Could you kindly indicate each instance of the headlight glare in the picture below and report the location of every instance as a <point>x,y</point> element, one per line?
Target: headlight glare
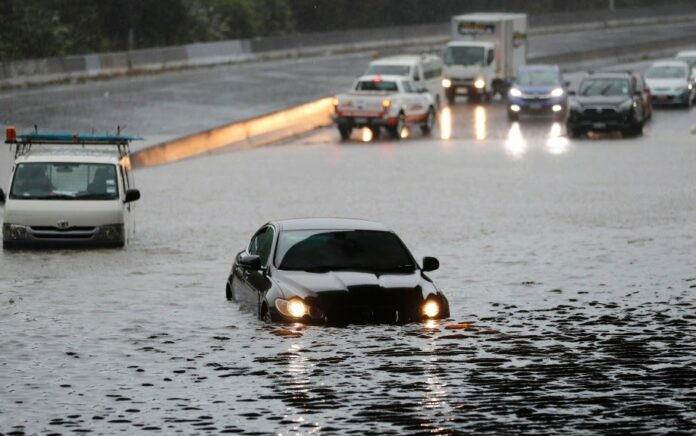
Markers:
<point>293,308</point>
<point>515,92</point>
<point>446,83</point>
<point>480,84</point>
<point>431,308</point>
<point>557,92</point>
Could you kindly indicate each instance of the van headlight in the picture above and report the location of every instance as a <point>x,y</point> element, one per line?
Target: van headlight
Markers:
<point>480,84</point>
<point>111,232</point>
<point>14,232</point>
<point>446,83</point>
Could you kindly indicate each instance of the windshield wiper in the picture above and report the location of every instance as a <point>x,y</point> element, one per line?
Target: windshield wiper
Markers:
<point>93,196</point>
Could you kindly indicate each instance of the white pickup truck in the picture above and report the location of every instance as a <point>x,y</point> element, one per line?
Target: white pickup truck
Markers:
<point>392,102</point>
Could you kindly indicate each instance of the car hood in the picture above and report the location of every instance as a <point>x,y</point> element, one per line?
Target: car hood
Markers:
<point>665,83</point>
<point>354,287</point>
<point>601,101</point>
<point>535,90</point>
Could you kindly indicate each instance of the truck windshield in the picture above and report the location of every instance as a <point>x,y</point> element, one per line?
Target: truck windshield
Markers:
<point>394,70</point>
<point>603,87</point>
<point>455,55</point>
<point>332,250</point>
<point>376,85</point>
<point>64,181</point>
<point>538,78</point>
<point>666,72</point>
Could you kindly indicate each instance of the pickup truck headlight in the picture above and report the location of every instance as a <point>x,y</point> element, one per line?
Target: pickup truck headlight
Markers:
<point>515,92</point>
<point>14,232</point>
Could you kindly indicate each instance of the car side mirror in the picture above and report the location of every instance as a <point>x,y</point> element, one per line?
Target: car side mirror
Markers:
<point>430,264</point>
<point>132,195</point>
<point>2,196</point>
<point>566,83</point>
<point>251,261</point>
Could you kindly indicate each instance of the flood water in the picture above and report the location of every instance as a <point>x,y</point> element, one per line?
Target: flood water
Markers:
<point>570,267</point>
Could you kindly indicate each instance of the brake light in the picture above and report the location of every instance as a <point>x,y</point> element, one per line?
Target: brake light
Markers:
<point>11,134</point>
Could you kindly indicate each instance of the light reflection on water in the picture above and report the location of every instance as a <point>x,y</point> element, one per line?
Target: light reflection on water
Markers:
<point>556,143</point>
<point>445,121</point>
<point>480,123</point>
<point>515,143</point>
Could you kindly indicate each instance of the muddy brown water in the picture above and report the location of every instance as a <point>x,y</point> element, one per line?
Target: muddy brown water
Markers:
<point>569,266</point>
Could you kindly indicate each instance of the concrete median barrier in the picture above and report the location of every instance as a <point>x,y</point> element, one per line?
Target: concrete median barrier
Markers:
<point>248,133</point>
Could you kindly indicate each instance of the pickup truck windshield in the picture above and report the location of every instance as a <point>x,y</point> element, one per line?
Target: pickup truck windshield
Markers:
<point>603,87</point>
<point>666,72</point>
<point>333,250</point>
<point>376,85</point>
<point>538,78</point>
<point>464,56</point>
<point>395,70</point>
<point>64,181</point>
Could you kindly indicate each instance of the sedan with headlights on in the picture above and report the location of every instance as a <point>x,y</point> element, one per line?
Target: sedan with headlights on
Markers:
<point>538,90</point>
<point>333,271</point>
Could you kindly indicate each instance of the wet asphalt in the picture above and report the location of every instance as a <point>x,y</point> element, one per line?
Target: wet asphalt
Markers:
<point>569,266</point>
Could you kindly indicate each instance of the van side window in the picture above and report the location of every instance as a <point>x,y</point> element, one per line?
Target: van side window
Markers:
<point>416,74</point>
<point>491,56</point>
<point>407,86</point>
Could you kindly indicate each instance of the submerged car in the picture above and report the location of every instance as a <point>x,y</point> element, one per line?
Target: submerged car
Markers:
<point>538,90</point>
<point>605,102</point>
<point>333,271</point>
<point>672,83</point>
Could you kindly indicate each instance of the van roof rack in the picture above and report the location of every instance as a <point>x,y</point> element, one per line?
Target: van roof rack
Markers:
<point>24,142</point>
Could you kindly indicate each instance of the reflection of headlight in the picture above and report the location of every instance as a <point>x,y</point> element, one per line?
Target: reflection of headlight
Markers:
<point>446,83</point>
<point>111,232</point>
<point>626,105</point>
<point>480,83</point>
<point>431,309</point>
<point>294,308</point>
<point>14,232</point>
<point>557,92</point>
<point>515,92</point>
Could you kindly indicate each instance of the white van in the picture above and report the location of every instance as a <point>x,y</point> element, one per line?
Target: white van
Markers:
<point>424,70</point>
<point>69,190</point>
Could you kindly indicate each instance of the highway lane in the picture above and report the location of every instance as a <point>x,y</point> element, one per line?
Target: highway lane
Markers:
<point>571,262</point>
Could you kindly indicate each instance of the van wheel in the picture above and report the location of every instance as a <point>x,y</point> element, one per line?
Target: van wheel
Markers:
<point>427,127</point>
<point>344,131</point>
<point>395,131</point>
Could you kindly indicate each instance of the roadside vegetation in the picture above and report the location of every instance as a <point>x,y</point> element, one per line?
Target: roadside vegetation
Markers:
<point>44,28</point>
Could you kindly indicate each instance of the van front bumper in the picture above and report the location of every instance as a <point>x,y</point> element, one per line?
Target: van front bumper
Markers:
<point>21,236</point>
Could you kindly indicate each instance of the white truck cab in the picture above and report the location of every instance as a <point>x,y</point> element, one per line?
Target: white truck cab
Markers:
<point>69,190</point>
<point>484,55</point>
<point>424,70</point>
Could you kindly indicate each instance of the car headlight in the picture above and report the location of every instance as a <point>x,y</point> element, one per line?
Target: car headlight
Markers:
<point>431,308</point>
<point>446,83</point>
<point>574,106</point>
<point>293,308</point>
<point>14,232</point>
<point>558,92</point>
<point>480,84</point>
<point>515,92</point>
<point>111,232</point>
<point>627,105</point>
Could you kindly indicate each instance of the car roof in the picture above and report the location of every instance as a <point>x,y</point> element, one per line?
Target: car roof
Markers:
<point>540,67</point>
<point>671,63</point>
<point>69,156</point>
<point>404,59</point>
<point>468,43</point>
<point>610,74</point>
<point>329,224</point>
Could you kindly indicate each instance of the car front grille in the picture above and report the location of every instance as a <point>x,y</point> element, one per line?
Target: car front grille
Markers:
<point>600,114</point>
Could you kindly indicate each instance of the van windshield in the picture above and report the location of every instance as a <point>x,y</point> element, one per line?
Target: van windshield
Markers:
<point>64,181</point>
<point>389,70</point>
<point>455,55</point>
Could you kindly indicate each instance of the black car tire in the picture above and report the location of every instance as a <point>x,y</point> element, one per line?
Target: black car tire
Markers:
<point>427,127</point>
<point>395,131</point>
<point>345,132</point>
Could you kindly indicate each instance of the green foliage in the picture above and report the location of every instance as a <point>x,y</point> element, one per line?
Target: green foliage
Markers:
<point>44,28</point>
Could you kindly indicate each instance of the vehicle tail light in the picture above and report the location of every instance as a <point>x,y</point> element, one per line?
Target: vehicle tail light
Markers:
<point>11,134</point>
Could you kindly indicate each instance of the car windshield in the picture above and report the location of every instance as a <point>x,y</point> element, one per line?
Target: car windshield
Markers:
<point>393,70</point>
<point>666,72</point>
<point>538,78</point>
<point>376,85</point>
<point>689,60</point>
<point>64,181</point>
<point>330,250</point>
<point>464,56</point>
<point>603,87</point>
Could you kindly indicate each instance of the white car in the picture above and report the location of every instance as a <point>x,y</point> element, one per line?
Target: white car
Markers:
<point>424,70</point>
<point>392,102</point>
<point>688,56</point>
<point>671,83</point>
<point>69,190</point>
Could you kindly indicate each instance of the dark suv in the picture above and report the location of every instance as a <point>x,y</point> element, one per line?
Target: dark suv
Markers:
<point>607,101</point>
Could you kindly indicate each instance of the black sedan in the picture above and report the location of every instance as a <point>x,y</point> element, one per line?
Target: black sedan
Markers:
<point>333,271</point>
<point>607,101</point>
